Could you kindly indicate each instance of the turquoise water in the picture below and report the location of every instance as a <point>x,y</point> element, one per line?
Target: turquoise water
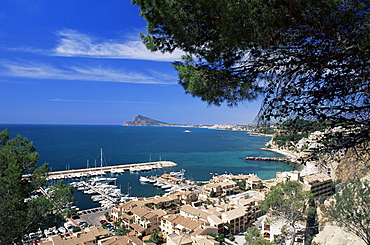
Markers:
<point>201,152</point>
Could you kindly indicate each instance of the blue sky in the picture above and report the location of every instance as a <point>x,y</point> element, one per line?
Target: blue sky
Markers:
<point>82,62</point>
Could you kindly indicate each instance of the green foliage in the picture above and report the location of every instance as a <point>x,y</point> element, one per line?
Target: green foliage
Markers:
<point>260,186</point>
<point>222,236</point>
<point>230,237</point>
<point>308,58</point>
<point>212,193</point>
<point>288,139</point>
<point>21,214</point>
<point>293,130</point>
<point>241,184</point>
<point>156,237</point>
<point>253,236</point>
<point>199,183</point>
<point>265,130</point>
<point>303,126</point>
<point>107,216</point>
<point>208,202</point>
<point>350,209</point>
<point>118,223</point>
<point>122,231</point>
<point>287,202</point>
<point>219,238</point>
<point>61,198</point>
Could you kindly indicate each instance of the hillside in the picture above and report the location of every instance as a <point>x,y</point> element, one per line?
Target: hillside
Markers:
<point>140,120</point>
<point>307,139</point>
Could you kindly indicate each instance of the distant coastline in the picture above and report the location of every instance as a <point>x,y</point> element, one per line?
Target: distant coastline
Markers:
<point>142,121</point>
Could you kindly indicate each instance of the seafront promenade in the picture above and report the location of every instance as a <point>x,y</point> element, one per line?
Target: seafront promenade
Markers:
<point>91,171</point>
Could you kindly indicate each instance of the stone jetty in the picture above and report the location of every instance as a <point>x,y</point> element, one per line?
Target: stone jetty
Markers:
<point>278,159</point>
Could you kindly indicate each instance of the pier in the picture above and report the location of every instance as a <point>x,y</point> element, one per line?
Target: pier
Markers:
<point>99,191</point>
<point>88,171</point>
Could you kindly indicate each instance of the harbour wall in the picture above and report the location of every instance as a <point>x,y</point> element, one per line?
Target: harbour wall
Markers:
<point>279,159</point>
<point>159,164</point>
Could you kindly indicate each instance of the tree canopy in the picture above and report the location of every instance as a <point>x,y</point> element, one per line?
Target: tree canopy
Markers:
<point>350,209</point>
<point>156,237</point>
<point>306,58</point>
<point>22,210</point>
<point>253,236</point>
<point>287,202</point>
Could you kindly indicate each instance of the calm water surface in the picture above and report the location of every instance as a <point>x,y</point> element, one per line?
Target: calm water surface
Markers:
<point>201,152</point>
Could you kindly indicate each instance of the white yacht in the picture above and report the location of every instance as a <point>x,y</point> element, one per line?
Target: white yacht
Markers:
<point>144,179</point>
<point>117,171</point>
<point>135,169</point>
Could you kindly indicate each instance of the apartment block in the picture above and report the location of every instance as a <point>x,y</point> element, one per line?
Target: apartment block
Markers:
<point>319,184</point>
<point>178,224</point>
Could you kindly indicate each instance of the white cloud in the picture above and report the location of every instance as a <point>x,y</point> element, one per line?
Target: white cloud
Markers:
<point>99,101</point>
<point>86,73</point>
<point>74,43</point>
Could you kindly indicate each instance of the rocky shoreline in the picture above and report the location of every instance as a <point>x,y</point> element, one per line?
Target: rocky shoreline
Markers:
<point>307,168</point>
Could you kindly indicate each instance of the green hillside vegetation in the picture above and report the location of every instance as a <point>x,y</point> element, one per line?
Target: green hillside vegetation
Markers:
<point>291,131</point>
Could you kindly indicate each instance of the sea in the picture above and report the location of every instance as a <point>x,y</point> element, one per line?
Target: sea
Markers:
<point>201,152</point>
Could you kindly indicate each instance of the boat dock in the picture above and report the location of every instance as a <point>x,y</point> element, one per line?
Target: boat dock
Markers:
<point>99,191</point>
<point>73,173</point>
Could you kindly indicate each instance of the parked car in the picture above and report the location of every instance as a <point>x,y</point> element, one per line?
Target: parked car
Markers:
<point>33,236</point>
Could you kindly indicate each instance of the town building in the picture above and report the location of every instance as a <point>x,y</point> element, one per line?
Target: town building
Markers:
<point>271,230</point>
<point>175,239</point>
<point>120,240</point>
<point>178,224</point>
<point>145,220</point>
<point>90,235</point>
<point>252,181</point>
<point>219,189</point>
<point>186,197</point>
<point>163,202</point>
<point>318,183</point>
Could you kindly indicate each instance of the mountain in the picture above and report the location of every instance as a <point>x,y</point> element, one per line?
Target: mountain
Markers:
<point>140,120</point>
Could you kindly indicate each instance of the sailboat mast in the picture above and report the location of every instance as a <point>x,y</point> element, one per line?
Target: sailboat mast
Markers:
<point>101,161</point>
<point>101,158</point>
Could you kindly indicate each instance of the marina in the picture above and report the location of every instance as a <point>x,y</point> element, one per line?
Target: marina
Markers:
<point>105,192</point>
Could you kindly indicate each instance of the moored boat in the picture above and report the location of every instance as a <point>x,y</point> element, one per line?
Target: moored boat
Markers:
<point>134,169</point>
<point>144,179</point>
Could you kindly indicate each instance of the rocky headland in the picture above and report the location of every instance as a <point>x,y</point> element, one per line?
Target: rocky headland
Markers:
<point>140,120</point>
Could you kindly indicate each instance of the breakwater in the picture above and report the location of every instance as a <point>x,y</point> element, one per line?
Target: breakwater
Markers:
<point>73,173</point>
<point>278,159</point>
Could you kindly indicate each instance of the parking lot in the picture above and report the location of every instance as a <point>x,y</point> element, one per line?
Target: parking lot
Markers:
<point>92,216</point>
